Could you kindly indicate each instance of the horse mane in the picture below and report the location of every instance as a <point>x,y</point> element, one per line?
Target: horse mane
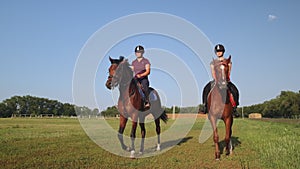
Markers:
<point>127,74</point>
<point>125,67</point>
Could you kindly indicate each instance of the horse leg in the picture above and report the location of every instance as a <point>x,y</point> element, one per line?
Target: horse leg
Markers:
<point>122,126</point>
<point>213,122</point>
<point>132,136</point>
<point>157,124</point>
<point>143,133</point>
<point>228,125</point>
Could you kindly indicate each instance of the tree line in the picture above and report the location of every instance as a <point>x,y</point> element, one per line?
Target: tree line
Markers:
<point>35,106</point>
<point>113,111</point>
<point>285,105</point>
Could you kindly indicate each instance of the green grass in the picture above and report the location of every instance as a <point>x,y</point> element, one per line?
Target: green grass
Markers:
<point>62,143</point>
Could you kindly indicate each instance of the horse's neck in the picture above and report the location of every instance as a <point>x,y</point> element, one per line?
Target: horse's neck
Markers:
<point>217,90</point>
<point>123,88</point>
<point>126,88</point>
<point>220,94</point>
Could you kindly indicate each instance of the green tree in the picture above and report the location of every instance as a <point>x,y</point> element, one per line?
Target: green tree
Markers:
<point>95,112</point>
<point>3,111</point>
<point>110,112</point>
<point>68,110</point>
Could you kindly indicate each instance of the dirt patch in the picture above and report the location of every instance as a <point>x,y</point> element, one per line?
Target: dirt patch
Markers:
<point>188,115</point>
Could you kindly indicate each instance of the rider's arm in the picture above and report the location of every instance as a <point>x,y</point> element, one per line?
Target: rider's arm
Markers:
<point>146,73</point>
<point>213,71</point>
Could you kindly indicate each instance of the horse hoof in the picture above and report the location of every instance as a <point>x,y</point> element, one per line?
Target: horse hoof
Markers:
<point>217,156</point>
<point>217,159</point>
<point>141,153</point>
<point>158,148</point>
<point>132,154</point>
<point>125,148</point>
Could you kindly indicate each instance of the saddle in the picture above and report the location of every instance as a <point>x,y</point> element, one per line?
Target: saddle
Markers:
<point>227,95</point>
<point>152,95</point>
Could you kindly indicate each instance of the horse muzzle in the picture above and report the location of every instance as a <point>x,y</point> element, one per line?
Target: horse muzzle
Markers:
<point>108,84</point>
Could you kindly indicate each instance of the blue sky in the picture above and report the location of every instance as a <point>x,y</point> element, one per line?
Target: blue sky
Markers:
<point>41,40</point>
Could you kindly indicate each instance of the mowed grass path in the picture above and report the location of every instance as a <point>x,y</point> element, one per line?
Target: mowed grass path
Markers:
<point>62,143</point>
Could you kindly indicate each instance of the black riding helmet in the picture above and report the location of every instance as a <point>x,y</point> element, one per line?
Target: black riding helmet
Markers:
<point>139,49</point>
<point>219,48</point>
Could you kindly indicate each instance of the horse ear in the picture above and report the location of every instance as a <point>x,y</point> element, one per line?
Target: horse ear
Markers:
<point>111,60</point>
<point>229,59</point>
<point>121,58</point>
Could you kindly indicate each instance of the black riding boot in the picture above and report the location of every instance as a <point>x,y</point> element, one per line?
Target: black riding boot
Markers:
<point>205,93</point>
<point>147,101</point>
<point>235,93</point>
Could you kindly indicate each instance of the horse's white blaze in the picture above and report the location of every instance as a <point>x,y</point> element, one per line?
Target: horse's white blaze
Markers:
<point>158,147</point>
<point>223,71</point>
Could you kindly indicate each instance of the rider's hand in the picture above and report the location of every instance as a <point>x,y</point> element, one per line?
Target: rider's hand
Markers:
<point>138,76</point>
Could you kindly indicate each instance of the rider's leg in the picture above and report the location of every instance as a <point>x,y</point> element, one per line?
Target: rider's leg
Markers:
<point>233,89</point>
<point>205,93</point>
<point>235,94</point>
<point>145,84</point>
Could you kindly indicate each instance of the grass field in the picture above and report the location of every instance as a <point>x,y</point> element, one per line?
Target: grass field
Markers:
<point>62,143</point>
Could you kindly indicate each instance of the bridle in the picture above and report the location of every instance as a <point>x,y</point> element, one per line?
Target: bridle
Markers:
<point>119,79</point>
<point>221,66</point>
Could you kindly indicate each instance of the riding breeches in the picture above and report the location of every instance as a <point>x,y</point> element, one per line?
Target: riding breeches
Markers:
<point>145,84</point>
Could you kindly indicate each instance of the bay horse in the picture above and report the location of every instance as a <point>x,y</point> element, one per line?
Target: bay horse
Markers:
<point>219,105</point>
<point>130,103</point>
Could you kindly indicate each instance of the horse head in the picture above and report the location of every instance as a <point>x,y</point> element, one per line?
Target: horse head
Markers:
<point>222,70</point>
<point>119,71</point>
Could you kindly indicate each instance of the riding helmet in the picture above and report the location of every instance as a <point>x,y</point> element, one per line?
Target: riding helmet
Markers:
<point>219,48</point>
<point>139,48</point>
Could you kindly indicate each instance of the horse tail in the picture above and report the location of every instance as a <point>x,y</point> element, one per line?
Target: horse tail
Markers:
<point>164,116</point>
<point>157,106</point>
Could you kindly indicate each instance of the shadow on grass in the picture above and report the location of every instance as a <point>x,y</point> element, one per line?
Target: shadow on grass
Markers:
<point>172,143</point>
<point>169,144</point>
<point>234,140</point>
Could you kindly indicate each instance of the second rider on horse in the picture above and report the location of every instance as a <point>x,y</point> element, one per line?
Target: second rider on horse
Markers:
<point>234,93</point>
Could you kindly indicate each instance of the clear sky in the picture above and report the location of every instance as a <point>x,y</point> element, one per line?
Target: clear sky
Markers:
<point>41,40</point>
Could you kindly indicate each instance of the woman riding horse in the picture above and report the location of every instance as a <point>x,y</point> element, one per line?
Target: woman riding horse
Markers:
<point>141,68</point>
<point>130,103</point>
<point>234,93</point>
<point>219,104</point>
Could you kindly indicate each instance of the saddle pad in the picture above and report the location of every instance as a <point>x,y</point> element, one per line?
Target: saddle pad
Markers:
<point>152,95</point>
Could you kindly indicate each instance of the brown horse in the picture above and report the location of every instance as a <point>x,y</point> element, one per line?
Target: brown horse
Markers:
<point>130,103</point>
<point>219,105</point>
